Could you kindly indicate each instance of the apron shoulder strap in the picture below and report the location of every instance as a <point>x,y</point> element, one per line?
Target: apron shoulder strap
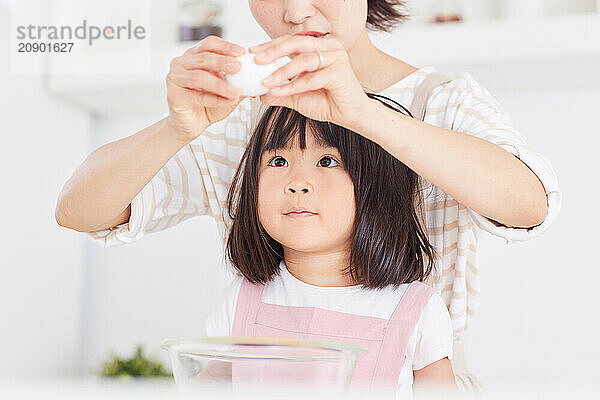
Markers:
<point>423,92</point>
<point>248,301</point>
<point>399,330</point>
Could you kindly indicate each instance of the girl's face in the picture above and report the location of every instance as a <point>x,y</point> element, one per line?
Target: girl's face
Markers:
<point>344,19</point>
<point>313,179</point>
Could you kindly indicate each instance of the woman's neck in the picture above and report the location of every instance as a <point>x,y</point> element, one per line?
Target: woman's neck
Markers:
<point>319,269</point>
<point>376,70</point>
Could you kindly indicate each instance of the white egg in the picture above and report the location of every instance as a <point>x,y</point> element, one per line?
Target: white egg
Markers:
<point>250,75</point>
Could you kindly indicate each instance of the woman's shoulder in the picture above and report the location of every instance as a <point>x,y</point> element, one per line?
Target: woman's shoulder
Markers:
<point>456,102</point>
<point>461,80</point>
<point>447,81</point>
<point>438,92</point>
<point>457,89</point>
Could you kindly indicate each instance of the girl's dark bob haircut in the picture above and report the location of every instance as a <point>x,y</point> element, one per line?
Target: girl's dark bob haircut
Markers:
<point>385,15</point>
<point>390,244</point>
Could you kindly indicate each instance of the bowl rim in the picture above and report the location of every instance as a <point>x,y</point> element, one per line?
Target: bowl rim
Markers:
<point>264,340</point>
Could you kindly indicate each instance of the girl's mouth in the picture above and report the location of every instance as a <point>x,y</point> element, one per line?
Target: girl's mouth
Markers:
<point>302,214</point>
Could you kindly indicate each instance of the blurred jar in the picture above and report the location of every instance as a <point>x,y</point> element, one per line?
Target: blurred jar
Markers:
<point>199,19</point>
<point>446,11</point>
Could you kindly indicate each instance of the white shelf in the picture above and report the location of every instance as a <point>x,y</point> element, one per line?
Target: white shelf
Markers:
<point>483,42</point>
<point>550,45</point>
<point>119,94</point>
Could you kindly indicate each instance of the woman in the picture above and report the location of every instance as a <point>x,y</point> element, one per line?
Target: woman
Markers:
<point>479,169</point>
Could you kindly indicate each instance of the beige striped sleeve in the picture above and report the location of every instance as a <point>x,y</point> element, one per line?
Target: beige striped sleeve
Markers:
<point>456,276</point>
<point>477,113</point>
<point>218,152</point>
<point>174,194</point>
<point>195,181</point>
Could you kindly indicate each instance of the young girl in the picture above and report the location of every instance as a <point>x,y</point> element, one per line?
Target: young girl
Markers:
<point>329,245</point>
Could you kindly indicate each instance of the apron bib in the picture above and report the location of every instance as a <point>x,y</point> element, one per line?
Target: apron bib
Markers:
<point>387,340</point>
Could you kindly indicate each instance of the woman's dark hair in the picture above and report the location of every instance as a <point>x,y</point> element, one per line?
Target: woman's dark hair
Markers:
<point>390,243</point>
<point>385,15</point>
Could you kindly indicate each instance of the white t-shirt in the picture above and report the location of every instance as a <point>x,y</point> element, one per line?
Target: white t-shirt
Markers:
<point>430,341</point>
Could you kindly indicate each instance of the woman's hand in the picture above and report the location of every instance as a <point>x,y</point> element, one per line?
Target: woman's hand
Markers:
<point>330,93</point>
<point>197,91</point>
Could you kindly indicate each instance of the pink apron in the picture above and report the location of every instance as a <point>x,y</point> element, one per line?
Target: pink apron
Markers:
<point>387,340</point>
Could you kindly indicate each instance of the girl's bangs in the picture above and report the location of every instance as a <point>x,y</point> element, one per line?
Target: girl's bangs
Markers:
<point>284,124</point>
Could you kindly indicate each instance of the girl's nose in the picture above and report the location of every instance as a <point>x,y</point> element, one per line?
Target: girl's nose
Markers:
<point>294,187</point>
<point>304,190</point>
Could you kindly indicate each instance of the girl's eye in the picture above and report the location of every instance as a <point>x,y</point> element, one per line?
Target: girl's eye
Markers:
<point>328,161</point>
<point>278,159</point>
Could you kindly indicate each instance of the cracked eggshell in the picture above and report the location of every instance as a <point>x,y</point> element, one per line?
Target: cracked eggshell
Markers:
<point>250,75</point>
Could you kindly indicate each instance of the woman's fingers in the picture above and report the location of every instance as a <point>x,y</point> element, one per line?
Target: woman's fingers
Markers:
<point>201,99</point>
<point>197,92</point>
<point>211,61</point>
<point>307,62</point>
<point>288,44</point>
<point>262,46</point>
<point>204,81</point>
<point>215,44</point>
<point>203,72</point>
<point>201,68</point>
<point>309,79</point>
<point>210,100</point>
<point>304,83</point>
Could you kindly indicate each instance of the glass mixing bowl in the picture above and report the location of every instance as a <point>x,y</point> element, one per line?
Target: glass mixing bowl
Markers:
<point>258,364</point>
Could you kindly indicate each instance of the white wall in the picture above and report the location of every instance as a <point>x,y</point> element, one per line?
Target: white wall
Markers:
<point>162,286</point>
<point>42,142</point>
<point>540,315</point>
